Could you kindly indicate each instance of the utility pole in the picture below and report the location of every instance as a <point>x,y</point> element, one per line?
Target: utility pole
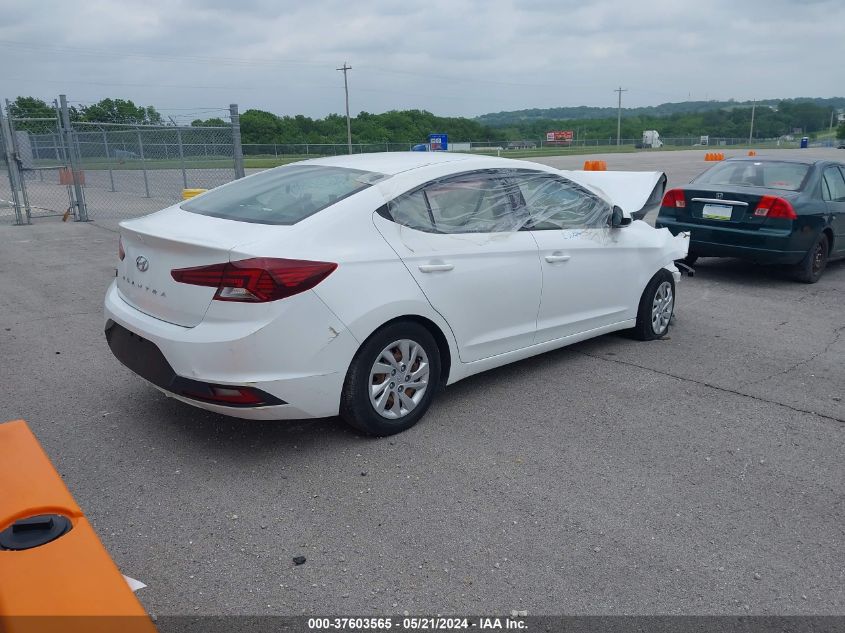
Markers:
<point>345,68</point>
<point>620,90</point>
<point>751,132</point>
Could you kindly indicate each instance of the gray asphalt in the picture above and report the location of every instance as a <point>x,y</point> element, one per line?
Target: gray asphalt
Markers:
<point>700,474</point>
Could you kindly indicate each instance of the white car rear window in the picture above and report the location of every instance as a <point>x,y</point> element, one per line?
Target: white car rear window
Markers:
<point>284,195</point>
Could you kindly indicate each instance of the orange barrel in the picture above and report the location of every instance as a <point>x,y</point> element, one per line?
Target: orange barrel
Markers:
<point>55,573</point>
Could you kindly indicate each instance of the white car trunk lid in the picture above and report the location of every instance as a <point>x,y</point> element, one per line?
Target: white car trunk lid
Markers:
<point>157,244</point>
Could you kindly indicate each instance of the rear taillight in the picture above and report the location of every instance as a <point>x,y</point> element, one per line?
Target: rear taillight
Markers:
<point>120,252</point>
<point>256,280</point>
<point>774,207</point>
<point>674,198</point>
<point>237,396</point>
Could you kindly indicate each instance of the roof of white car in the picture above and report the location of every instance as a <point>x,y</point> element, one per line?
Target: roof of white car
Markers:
<point>391,163</point>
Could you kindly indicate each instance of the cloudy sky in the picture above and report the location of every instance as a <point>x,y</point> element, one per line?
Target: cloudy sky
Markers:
<point>452,57</point>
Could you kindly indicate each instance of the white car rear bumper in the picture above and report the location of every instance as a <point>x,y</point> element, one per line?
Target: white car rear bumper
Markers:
<point>303,365</point>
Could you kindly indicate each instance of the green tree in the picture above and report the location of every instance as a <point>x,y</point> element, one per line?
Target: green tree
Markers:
<point>30,107</point>
<point>212,122</point>
<point>119,111</point>
<point>258,126</point>
<point>840,131</point>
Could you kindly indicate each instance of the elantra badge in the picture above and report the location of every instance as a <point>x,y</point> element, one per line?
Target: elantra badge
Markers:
<point>142,263</point>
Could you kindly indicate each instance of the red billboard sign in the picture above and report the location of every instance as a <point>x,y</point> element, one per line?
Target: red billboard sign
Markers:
<point>559,135</point>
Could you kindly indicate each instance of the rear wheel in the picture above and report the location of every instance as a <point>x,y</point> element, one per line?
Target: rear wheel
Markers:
<point>657,305</point>
<point>812,266</point>
<point>392,379</point>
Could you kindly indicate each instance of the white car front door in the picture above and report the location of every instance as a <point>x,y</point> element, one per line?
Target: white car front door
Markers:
<point>593,275</point>
<point>459,239</point>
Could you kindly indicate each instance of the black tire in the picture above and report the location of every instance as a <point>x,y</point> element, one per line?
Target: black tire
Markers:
<point>812,266</point>
<point>646,329</point>
<point>356,407</point>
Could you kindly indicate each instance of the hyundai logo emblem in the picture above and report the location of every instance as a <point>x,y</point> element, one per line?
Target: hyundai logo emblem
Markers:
<point>142,263</point>
<point>720,195</point>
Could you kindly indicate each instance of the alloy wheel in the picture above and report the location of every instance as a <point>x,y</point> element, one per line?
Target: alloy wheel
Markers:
<point>662,307</point>
<point>399,379</point>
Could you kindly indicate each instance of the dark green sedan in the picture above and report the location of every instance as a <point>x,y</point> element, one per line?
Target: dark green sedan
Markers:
<point>770,211</point>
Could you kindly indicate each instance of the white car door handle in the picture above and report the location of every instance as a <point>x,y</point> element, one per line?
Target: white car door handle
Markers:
<point>553,259</point>
<point>436,268</point>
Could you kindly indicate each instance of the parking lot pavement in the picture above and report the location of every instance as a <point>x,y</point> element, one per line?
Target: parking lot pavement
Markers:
<point>683,165</point>
<point>698,474</point>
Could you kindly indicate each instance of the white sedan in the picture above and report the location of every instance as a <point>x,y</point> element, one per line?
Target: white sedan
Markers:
<point>360,285</point>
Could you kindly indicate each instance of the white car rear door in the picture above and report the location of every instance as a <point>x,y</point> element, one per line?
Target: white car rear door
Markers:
<point>459,239</point>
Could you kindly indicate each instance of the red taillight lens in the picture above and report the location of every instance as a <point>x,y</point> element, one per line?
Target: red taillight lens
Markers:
<point>674,198</point>
<point>120,252</point>
<point>774,207</point>
<point>257,280</point>
<point>244,396</point>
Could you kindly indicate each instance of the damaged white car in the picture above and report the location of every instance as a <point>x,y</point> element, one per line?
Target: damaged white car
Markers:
<point>360,285</point>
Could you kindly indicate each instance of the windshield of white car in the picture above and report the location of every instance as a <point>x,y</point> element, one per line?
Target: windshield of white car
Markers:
<point>746,173</point>
<point>282,196</point>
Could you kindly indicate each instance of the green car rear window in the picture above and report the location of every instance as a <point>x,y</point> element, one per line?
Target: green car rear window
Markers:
<point>746,173</point>
<point>284,195</point>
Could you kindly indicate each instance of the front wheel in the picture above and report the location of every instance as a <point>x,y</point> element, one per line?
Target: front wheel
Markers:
<point>392,379</point>
<point>657,305</point>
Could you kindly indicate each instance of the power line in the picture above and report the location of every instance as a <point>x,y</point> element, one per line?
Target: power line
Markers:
<point>237,61</point>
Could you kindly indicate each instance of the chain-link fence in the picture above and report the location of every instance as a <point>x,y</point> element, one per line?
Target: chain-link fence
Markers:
<point>44,185</point>
<point>130,170</point>
<point>257,152</point>
<point>52,166</point>
<point>7,204</point>
<point>110,171</point>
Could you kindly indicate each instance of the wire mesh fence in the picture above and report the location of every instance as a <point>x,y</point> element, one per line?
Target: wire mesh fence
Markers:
<point>149,166</point>
<point>256,152</point>
<point>58,167</point>
<point>7,205</point>
<point>106,170</point>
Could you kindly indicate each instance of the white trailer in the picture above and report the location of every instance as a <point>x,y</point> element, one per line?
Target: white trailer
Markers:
<point>651,138</point>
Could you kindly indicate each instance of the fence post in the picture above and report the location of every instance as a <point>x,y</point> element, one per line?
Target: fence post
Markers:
<point>108,156</point>
<point>182,157</point>
<point>11,165</point>
<point>143,163</point>
<point>19,165</point>
<point>73,159</point>
<point>237,148</point>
